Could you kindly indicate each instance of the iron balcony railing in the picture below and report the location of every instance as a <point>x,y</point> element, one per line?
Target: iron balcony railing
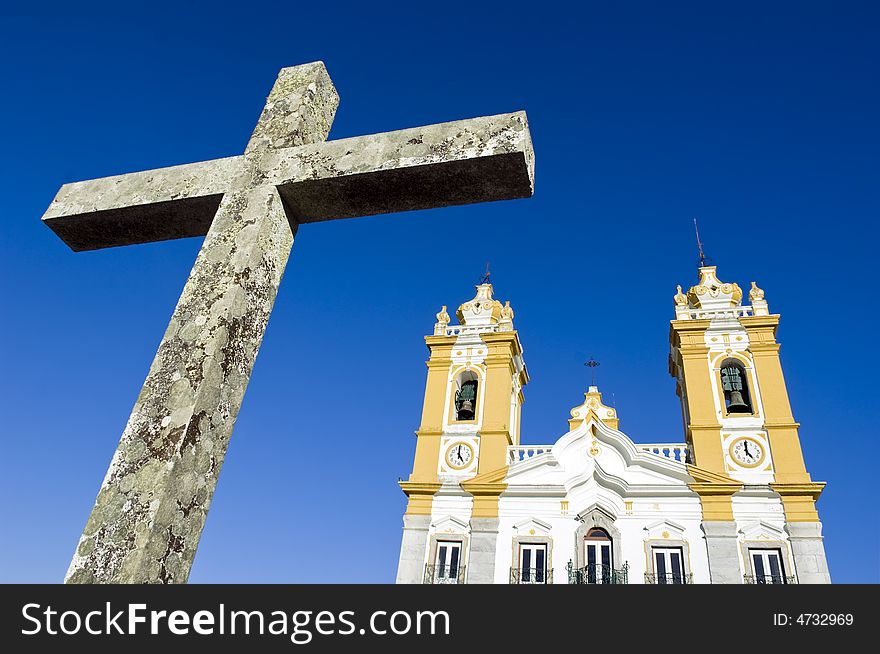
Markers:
<point>596,573</point>
<point>769,579</point>
<point>672,578</point>
<point>531,576</point>
<point>444,574</point>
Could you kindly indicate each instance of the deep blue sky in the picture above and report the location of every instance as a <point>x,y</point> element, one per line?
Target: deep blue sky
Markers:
<point>759,118</point>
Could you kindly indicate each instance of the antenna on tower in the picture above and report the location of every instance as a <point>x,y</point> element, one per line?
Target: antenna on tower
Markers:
<point>485,278</point>
<point>699,244</point>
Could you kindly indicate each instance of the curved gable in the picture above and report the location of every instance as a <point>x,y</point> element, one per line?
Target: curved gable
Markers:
<point>596,452</point>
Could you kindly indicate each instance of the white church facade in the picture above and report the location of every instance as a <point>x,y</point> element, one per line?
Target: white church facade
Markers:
<point>732,503</point>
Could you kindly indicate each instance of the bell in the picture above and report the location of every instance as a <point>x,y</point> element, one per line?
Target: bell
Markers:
<point>737,405</point>
<point>466,412</point>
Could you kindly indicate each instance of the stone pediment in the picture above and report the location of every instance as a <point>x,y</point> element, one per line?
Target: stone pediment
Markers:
<point>762,530</point>
<point>450,524</point>
<point>664,529</point>
<point>533,526</point>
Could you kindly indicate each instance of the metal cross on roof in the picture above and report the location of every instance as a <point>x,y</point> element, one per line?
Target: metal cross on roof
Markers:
<point>592,364</point>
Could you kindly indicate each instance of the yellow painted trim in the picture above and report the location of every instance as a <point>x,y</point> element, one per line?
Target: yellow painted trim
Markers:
<point>485,498</point>
<point>782,430</point>
<point>420,496</point>
<point>689,356</point>
<point>710,477</point>
<point>491,477</point>
<point>486,489</point>
<point>799,500</point>
<point>440,340</point>
<point>716,500</point>
<point>716,493</point>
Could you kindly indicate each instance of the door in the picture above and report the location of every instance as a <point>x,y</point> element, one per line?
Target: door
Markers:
<point>447,563</point>
<point>767,566</point>
<point>597,556</point>
<point>668,565</point>
<point>532,564</point>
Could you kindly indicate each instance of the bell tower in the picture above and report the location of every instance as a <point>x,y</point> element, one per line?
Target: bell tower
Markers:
<point>736,412</point>
<point>470,415</point>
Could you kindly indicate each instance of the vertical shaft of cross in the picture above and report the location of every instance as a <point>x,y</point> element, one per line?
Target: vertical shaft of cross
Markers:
<point>151,508</point>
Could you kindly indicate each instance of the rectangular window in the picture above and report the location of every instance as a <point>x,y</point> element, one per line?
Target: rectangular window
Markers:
<point>767,566</point>
<point>532,564</point>
<point>598,559</point>
<point>668,565</point>
<point>448,562</point>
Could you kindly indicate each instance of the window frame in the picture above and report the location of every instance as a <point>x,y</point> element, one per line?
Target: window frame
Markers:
<point>600,544</point>
<point>533,540</point>
<point>666,555</point>
<point>450,546</point>
<point>540,571</point>
<point>668,543</point>
<point>781,546</point>
<point>596,517</point>
<point>437,539</point>
<point>765,554</point>
<point>456,381</point>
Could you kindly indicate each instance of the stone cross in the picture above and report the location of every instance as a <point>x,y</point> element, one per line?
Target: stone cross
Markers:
<point>151,508</point>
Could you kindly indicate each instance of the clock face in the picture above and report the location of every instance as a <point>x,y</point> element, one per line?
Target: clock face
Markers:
<point>459,455</point>
<point>747,452</point>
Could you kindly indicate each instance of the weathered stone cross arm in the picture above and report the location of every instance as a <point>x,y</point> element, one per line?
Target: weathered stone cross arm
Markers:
<point>151,508</point>
<point>459,162</point>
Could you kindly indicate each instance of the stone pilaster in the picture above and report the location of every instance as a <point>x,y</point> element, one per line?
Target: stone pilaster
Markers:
<point>808,550</point>
<point>724,559</point>
<point>411,569</point>
<point>481,558</point>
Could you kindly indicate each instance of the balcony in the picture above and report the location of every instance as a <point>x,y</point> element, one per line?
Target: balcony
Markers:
<point>596,573</point>
<point>680,578</point>
<point>531,576</point>
<point>444,574</point>
<point>769,579</point>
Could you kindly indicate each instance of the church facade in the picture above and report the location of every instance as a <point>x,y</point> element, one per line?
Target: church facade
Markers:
<point>733,503</point>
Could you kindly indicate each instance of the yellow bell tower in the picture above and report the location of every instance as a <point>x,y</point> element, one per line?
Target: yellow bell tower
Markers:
<point>470,416</point>
<point>735,407</point>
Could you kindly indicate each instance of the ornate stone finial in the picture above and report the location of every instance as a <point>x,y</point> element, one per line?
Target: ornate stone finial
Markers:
<point>680,298</point>
<point>442,322</point>
<point>482,310</point>
<point>756,293</point>
<point>682,311</point>
<point>506,320</point>
<point>759,304</point>
<point>712,293</point>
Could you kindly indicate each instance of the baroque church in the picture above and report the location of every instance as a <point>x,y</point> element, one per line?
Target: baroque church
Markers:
<point>731,504</point>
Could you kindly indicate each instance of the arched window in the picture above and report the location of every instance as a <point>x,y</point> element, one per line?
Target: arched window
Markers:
<point>737,398</point>
<point>466,396</point>
<point>597,533</point>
